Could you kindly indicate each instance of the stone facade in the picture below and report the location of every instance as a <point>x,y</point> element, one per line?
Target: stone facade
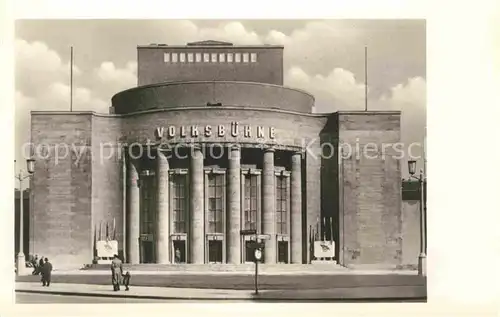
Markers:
<point>78,196</point>
<point>365,199</point>
<point>267,68</point>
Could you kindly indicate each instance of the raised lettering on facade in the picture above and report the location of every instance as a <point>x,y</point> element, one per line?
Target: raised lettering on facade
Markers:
<point>234,130</point>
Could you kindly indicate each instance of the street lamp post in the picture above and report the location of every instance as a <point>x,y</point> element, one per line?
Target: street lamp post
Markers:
<point>21,259</point>
<point>258,248</point>
<point>422,258</point>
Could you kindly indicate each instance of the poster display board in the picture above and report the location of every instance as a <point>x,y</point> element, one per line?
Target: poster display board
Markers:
<point>324,249</point>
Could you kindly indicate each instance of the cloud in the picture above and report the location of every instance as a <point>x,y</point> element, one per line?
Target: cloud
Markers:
<point>41,85</point>
<point>233,31</point>
<point>37,65</point>
<point>112,79</point>
<point>339,90</point>
<point>410,98</point>
<point>318,45</point>
<point>123,77</point>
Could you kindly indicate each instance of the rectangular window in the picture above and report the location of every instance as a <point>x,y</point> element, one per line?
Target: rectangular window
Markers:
<point>250,206</point>
<point>182,57</point>
<point>237,57</point>
<point>214,57</point>
<point>245,58</point>
<point>206,57</point>
<point>281,205</point>
<point>198,57</point>
<point>147,206</point>
<point>166,57</point>
<point>179,202</point>
<point>229,57</point>
<point>174,57</point>
<point>190,57</point>
<point>222,57</point>
<point>253,57</point>
<point>216,189</point>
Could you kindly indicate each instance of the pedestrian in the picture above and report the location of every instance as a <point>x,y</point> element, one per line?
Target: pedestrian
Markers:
<point>116,272</point>
<point>126,280</point>
<point>46,271</point>
<point>34,263</point>
<point>177,255</point>
<point>40,264</point>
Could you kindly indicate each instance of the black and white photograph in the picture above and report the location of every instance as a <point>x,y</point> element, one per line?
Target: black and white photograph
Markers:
<point>220,160</point>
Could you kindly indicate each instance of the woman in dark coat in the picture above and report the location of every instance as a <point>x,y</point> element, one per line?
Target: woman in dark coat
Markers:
<point>46,271</point>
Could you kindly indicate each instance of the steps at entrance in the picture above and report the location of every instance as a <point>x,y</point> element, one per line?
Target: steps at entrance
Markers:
<point>317,267</point>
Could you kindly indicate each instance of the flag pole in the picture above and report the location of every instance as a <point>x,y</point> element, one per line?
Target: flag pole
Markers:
<point>366,79</point>
<point>331,229</point>
<point>71,82</point>
<point>324,229</point>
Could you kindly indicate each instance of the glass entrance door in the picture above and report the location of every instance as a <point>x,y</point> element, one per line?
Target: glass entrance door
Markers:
<point>215,251</point>
<point>179,251</point>
<point>147,252</point>
<point>282,251</point>
<point>249,251</point>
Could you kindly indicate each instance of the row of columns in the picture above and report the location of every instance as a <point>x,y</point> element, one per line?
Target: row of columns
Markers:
<point>196,208</point>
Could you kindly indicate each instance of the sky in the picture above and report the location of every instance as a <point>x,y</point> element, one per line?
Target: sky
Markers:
<point>323,57</point>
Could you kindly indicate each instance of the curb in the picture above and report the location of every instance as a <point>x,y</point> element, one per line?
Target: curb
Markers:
<point>248,298</point>
<point>130,295</point>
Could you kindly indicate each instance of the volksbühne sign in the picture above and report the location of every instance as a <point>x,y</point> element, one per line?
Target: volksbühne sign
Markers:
<point>220,130</point>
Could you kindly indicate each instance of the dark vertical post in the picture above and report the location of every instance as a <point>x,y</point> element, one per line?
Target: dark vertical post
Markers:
<point>71,82</point>
<point>366,80</point>
<point>256,276</point>
<point>422,219</point>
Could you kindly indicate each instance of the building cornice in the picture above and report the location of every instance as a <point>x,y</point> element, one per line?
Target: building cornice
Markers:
<point>194,82</point>
<point>144,112</point>
<point>221,47</point>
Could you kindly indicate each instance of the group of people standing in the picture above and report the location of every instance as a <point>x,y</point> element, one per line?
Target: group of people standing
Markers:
<point>42,267</point>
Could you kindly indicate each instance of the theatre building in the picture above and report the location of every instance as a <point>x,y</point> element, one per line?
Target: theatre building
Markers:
<point>208,144</point>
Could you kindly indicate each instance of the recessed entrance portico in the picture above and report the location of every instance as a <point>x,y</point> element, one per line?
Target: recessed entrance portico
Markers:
<point>192,206</point>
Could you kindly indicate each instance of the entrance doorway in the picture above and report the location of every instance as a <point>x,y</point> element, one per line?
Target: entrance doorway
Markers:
<point>147,252</point>
<point>249,251</point>
<point>215,251</point>
<point>282,251</point>
<point>179,251</point>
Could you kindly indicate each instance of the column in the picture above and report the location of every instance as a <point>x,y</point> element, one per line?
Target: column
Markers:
<point>162,208</point>
<point>234,206</point>
<point>296,208</point>
<point>133,212</point>
<point>197,223</point>
<point>268,206</point>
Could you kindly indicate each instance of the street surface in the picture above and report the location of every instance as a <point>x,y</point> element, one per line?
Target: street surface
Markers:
<point>31,298</point>
<point>244,282</point>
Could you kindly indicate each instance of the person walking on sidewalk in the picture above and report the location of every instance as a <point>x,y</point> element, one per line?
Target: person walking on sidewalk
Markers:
<point>116,272</point>
<point>40,264</point>
<point>46,271</point>
<point>126,280</point>
<point>34,263</point>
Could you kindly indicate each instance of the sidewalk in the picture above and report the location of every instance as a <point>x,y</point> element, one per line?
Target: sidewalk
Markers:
<point>290,273</point>
<point>378,292</point>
